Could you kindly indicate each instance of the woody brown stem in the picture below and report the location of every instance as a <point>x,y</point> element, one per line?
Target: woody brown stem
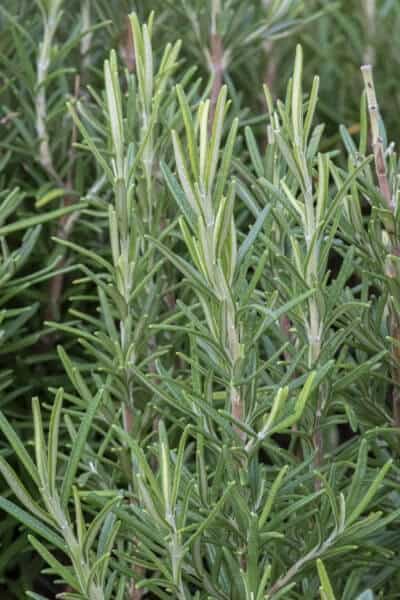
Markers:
<point>377,141</point>
<point>285,325</point>
<point>65,226</point>
<point>67,222</point>
<point>45,154</point>
<point>127,47</point>
<point>134,593</point>
<point>237,411</point>
<point>385,189</point>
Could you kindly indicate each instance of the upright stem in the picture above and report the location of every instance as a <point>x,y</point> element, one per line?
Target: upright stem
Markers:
<point>370,22</point>
<point>126,326</point>
<point>65,226</point>
<point>66,223</point>
<point>236,401</point>
<point>217,61</point>
<point>125,285</point>
<point>314,325</point>
<point>42,69</point>
<point>86,40</point>
<point>45,154</point>
<point>377,141</point>
<point>271,66</point>
<point>385,189</point>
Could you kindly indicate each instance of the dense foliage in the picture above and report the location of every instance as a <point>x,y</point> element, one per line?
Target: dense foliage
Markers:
<point>200,322</point>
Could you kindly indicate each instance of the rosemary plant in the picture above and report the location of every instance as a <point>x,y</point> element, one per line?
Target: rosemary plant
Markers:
<point>214,307</point>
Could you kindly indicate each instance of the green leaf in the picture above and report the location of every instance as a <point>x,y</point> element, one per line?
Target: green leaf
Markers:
<point>178,195</point>
<point>255,156</point>
<point>51,215</point>
<point>274,315</point>
<point>91,145</point>
<point>215,142</point>
<point>271,496</point>
<point>297,98</point>
<point>251,237</point>
<point>53,440</point>
<point>97,523</point>
<point>212,514</point>
<point>165,468</point>
<point>50,196</point>
<point>32,523</point>
<point>65,573</point>
<point>40,445</point>
<point>190,131</point>
<point>226,161</point>
<point>186,268</point>
<point>19,448</point>
<point>326,587</point>
<point>21,492</point>
<point>78,447</point>
<point>85,252</point>
<point>369,495</point>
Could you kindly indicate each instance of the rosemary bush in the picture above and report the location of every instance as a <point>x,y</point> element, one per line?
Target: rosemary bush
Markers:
<point>209,320</point>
